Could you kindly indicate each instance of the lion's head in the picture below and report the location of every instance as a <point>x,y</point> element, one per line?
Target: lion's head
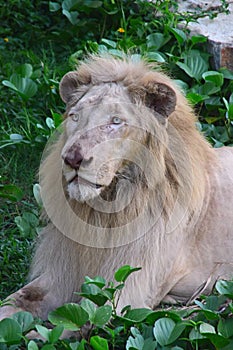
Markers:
<point>110,124</point>
<point>129,155</point>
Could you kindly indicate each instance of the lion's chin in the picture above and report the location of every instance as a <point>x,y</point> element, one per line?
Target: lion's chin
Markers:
<point>82,193</point>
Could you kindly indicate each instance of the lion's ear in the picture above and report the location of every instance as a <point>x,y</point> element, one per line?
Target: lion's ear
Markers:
<point>68,85</point>
<point>160,97</point>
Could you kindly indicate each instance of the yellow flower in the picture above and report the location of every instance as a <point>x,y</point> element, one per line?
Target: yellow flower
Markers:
<point>6,40</point>
<point>121,30</point>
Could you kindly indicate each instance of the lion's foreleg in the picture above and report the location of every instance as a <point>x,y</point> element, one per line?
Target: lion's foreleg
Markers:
<point>35,297</point>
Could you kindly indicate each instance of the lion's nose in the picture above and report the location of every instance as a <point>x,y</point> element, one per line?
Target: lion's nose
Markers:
<point>74,158</point>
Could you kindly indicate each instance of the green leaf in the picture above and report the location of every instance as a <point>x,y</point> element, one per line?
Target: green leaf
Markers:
<point>70,316</point>
<point>123,273</point>
<point>55,334</point>
<point>32,345</point>
<point>11,192</point>
<point>213,76</point>
<point>93,293</point>
<point>163,329</point>
<point>25,86</point>
<point>195,335</point>
<point>177,331</point>
<point>98,281</point>
<point>225,288</point>
<point>225,327</point>
<point>16,137</point>
<point>138,315</point>
<point>99,343</point>
<point>9,84</point>
<point>24,319</point>
<point>89,307</point>
<point>207,328</point>
<point>194,64</point>
<point>102,315</point>
<point>43,331</point>
<point>155,56</point>
<point>155,41</point>
<point>196,39</point>
<point>179,35</point>
<point>195,98</point>
<point>72,16</point>
<point>150,344</point>
<point>54,6</point>
<point>10,331</point>
<point>110,43</point>
<point>25,70</point>
<point>136,342</point>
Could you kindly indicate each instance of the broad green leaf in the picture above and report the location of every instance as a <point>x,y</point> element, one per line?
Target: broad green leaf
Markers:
<point>194,64</point>
<point>195,335</point>
<point>150,344</point>
<point>138,315</point>
<point>225,327</point>
<point>213,76</point>
<point>195,98</point>
<point>48,347</point>
<point>54,6</point>
<point>25,70</point>
<point>9,84</point>
<point>93,3</point>
<point>72,16</point>
<point>10,331</point>
<point>176,332</point>
<point>93,293</point>
<point>16,137</point>
<point>226,73</point>
<point>230,111</point>
<point>24,319</point>
<point>155,41</point>
<point>102,315</point>
<point>110,43</point>
<point>136,342</point>
<point>123,273</point>
<point>55,334</point>
<point>156,56</point>
<point>43,331</point>
<point>225,288</point>
<point>32,345</point>
<point>70,316</point>
<point>218,340</point>
<point>163,329</point>
<point>50,123</point>
<point>98,281</point>
<point>196,39</point>
<point>207,328</point>
<point>37,194</point>
<point>89,307</point>
<point>179,35</point>
<point>11,192</point>
<point>99,343</point>
<point>25,86</point>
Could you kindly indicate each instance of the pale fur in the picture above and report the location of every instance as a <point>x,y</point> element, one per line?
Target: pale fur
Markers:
<point>186,246</point>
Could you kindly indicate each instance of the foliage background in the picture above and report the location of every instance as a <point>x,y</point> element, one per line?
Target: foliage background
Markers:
<point>42,40</point>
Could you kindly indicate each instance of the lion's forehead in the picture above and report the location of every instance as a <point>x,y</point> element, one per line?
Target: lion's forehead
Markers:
<point>108,95</point>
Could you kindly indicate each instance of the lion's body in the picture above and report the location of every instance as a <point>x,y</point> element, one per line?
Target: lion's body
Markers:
<point>178,225</point>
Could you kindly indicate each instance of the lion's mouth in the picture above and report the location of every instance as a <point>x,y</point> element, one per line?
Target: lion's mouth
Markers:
<point>81,181</point>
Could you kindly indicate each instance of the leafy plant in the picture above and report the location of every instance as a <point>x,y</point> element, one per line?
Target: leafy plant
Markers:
<point>204,325</point>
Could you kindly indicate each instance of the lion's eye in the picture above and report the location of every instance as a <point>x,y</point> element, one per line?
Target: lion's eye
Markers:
<point>74,117</point>
<point>116,120</point>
